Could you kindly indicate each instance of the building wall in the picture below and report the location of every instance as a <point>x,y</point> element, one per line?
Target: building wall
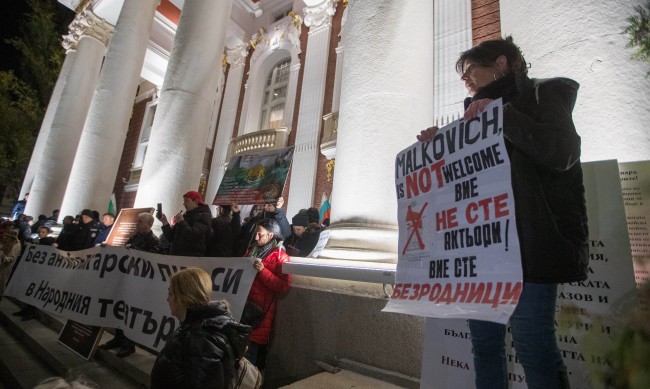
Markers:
<point>126,199</point>
<point>486,20</point>
<point>322,320</point>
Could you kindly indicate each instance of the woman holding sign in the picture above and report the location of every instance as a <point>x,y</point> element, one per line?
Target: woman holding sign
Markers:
<point>544,151</point>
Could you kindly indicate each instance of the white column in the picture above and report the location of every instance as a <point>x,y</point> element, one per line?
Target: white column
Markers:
<point>44,132</point>
<point>177,145</point>
<point>452,35</point>
<point>386,99</point>
<point>93,173</point>
<point>237,59</point>
<point>318,17</point>
<point>51,178</point>
<point>612,111</point>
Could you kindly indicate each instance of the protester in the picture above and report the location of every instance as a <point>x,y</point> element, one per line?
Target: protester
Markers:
<point>304,238</point>
<point>10,248</point>
<point>29,312</point>
<point>544,151</point>
<point>268,283</point>
<point>43,236</point>
<point>88,229</point>
<point>271,211</point>
<point>226,226</point>
<point>61,383</point>
<point>189,233</point>
<point>19,207</point>
<point>55,216</point>
<point>105,227</point>
<point>24,226</point>
<point>144,240</point>
<point>67,234</point>
<point>202,353</point>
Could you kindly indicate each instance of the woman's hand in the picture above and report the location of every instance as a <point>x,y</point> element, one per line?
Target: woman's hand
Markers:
<point>476,108</point>
<point>428,134</point>
<point>258,265</point>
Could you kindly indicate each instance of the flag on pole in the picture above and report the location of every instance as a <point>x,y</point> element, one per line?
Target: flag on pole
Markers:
<point>112,205</point>
<point>325,208</point>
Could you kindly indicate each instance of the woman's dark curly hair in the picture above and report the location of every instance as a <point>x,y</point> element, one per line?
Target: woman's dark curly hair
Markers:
<point>487,52</point>
<point>271,226</point>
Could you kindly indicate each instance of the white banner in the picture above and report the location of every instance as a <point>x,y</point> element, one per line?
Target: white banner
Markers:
<point>458,245</point>
<point>447,361</point>
<point>120,288</point>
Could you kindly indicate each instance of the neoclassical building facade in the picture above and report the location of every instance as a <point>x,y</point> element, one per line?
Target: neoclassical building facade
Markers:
<point>155,96</point>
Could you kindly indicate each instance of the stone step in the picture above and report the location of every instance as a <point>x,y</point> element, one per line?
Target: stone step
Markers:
<point>36,354</point>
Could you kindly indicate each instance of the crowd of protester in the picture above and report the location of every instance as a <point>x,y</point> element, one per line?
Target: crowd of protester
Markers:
<point>264,234</point>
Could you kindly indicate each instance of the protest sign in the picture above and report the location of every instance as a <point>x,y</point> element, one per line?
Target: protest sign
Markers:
<point>124,226</point>
<point>120,288</point>
<point>458,245</point>
<point>448,360</point>
<point>635,183</point>
<point>255,178</point>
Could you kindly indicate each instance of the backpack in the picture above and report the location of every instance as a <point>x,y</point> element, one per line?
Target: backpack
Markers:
<point>246,375</point>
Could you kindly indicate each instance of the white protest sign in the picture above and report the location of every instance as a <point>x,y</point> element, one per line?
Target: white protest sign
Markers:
<point>458,245</point>
<point>448,361</point>
<point>121,288</point>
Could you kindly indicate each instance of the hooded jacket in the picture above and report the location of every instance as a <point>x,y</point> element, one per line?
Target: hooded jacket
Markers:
<point>202,352</point>
<point>544,151</point>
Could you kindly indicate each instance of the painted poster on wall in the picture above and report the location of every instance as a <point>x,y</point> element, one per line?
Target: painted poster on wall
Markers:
<point>255,178</point>
<point>458,245</point>
<point>582,309</point>
<point>635,182</point>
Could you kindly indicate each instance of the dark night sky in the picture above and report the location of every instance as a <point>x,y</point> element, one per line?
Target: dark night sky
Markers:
<point>10,19</point>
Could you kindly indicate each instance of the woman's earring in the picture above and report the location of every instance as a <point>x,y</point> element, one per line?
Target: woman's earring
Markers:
<point>495,76</point>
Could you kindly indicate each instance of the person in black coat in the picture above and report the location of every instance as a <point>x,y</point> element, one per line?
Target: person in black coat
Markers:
<point>88,230</point>
<point>204,350</point>
<point>190,232</point>
<point>544,151</point>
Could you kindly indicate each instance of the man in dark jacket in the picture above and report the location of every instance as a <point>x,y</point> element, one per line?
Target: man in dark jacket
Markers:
<point>88,228</point>
<point>226,227</point>
<point>190,231</point>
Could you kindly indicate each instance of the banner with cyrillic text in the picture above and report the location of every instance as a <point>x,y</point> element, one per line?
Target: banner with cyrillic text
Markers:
<point>458,245</point>
<point>584,310</point>
<point>121,288</point>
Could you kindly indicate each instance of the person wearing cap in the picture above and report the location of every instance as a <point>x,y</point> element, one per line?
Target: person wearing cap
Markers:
<point>88,230</point>
<point>303,239</point>
<point>189,232</point>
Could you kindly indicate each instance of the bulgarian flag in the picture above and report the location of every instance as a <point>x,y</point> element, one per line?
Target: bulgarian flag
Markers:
<point>325,208</point>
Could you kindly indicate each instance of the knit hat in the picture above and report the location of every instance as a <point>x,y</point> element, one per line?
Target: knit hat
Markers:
<point>87,212</point>
<point>314,215</point>
<point>194,196</point>
<point>300,219</point>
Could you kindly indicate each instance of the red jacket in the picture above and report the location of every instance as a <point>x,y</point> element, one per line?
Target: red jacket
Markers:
<point>268,283</point>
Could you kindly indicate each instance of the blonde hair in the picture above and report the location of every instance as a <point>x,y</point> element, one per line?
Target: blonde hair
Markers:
<point>191,286</point>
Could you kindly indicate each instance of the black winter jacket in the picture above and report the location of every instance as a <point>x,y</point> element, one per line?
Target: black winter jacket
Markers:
<point>189,236</point>
<point>202,352</point>
<point>148,242</point>
<point>544,151</point>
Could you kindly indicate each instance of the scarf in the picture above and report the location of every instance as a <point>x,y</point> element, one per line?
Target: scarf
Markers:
<point>262,251</point>
<point>505,87</point>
